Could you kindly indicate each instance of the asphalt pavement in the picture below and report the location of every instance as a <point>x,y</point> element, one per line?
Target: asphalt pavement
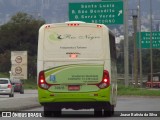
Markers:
<point>29,100</point>
<point>20,103</point>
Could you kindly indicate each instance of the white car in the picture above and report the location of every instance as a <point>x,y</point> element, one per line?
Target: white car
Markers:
<point>6,88</point>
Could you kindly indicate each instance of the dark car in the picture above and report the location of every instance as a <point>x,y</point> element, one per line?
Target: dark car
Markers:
<point>18,86</point>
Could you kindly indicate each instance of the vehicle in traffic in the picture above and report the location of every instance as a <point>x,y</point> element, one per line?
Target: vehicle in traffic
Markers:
<point>6,88</point>
<point>18,86</point>
<point>77,68</point>
<point>155,82</point>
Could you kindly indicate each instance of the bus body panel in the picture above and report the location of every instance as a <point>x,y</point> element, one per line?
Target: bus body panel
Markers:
<point>74,75</point>
<point>97,96</point>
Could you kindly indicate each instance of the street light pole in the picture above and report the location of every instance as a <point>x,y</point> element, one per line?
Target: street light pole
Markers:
<point>135,51</point>
<point>140,42</point>
<point>126,66</point>
<point>151,52</point>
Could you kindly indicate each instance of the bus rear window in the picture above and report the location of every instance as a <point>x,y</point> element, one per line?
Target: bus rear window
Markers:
<point>73,42</point>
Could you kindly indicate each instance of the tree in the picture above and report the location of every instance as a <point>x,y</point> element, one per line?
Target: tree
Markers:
<point>120,58</point>
<point>147,63</point>
<point>20,34</point>
<point>145,58</point>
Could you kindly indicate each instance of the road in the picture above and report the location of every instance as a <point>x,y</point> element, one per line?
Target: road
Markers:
<point>135,105</point>
<point>27,93</point>
<point>19,101</point>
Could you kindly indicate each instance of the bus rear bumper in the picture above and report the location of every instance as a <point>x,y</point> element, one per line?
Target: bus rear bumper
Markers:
<point>77,105</point>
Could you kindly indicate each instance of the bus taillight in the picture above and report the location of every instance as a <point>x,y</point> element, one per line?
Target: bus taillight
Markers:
<point>41,81</point>
<point>105,80</point>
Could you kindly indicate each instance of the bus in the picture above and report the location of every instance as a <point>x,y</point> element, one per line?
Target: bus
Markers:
<point>76,68</point>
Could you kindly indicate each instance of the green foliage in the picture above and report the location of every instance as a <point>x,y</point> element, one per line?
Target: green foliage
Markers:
<point>145,58</point>
<point>30,84</point>
<point>19,34</point>
<point>5,63</point>
<point>4,75</point>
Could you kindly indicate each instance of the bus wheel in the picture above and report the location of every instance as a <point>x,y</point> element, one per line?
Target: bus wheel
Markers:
<point>109,112</point>
<point>97,112</point>
<point>57,113</point>
<point>47,112</point>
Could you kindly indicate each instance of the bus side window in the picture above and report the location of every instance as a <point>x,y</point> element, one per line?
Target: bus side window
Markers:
<point>112,46</point>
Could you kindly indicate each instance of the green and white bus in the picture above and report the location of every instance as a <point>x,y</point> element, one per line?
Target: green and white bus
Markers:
<point>76,67</point>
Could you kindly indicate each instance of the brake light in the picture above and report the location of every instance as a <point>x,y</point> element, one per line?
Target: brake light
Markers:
<point>73,24</point>
<point>73,56</point>
<point>41,81</point>
<point>18,84</point>
<point>105,80</point>
<point>9,86</point>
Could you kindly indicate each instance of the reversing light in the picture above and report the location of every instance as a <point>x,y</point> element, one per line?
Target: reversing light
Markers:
<point>102,85</point>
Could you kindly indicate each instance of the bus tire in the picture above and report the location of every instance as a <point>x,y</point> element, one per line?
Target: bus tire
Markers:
<point>47,112</point>
<point>108,112</point>
<point>57,113</point>
<point>97,112</point>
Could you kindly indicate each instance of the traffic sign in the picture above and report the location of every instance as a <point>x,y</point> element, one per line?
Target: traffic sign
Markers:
<point>19,57</point>
<point>109,12</point>
<point>19,72</point>
<point>145,39</point>
<point>19,64</point>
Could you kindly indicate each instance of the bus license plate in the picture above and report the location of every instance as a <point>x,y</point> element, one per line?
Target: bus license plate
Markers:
<point>73,87</point>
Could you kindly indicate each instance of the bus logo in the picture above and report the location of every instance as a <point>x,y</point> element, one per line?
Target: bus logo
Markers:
<point>55,37</point>
<point>53,78</point>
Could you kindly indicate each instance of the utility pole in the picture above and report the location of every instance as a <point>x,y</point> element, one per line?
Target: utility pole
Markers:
<point>42,7</point>
<point>140,42</point>
<point>126,66</point>
<point>151,56</point>
<point>135,51</point>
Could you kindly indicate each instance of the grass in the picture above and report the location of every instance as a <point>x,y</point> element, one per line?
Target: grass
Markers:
<point>4,75</point>
<point>137,91</point>
<point>30,84</point>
